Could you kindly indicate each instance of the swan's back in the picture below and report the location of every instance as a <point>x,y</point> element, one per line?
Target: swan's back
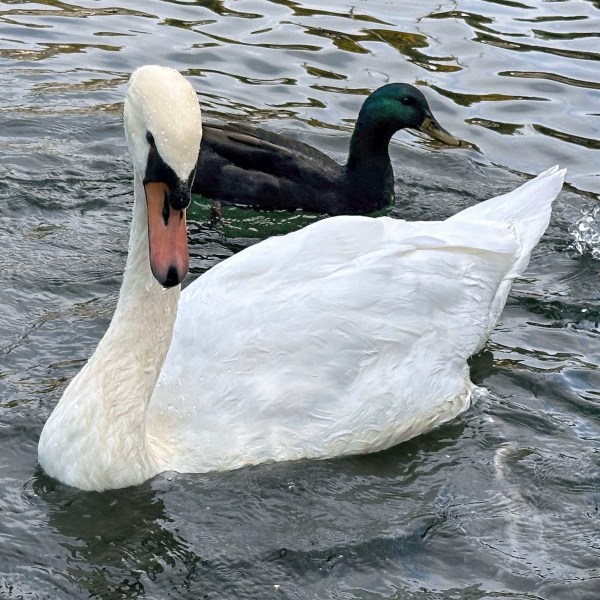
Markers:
<point>348,336</point>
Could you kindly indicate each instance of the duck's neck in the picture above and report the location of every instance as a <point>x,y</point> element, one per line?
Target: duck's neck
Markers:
<point>96,436</point>
<point>368,169</point>
<point>370,140</point>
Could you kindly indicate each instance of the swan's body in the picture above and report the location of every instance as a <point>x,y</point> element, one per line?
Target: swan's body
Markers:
<point>348,336</point>
<point>240,164</point>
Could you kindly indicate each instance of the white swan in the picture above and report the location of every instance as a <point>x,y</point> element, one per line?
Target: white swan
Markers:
<point>348,336</point>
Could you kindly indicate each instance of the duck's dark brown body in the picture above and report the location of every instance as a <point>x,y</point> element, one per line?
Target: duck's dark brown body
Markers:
<point>239,164</point>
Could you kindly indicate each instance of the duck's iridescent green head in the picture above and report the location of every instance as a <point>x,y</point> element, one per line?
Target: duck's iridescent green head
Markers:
<point>398,106</point>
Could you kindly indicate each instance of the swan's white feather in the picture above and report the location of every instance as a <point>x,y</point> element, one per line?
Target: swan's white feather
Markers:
<point>348,336</point>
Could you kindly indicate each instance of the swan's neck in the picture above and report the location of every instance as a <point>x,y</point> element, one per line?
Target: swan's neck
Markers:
<point>96,436</point>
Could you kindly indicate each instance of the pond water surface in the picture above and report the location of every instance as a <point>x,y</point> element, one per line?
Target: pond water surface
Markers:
<point>500,503</point>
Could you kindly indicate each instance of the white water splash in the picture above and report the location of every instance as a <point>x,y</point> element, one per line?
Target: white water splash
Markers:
<point>586,232</point>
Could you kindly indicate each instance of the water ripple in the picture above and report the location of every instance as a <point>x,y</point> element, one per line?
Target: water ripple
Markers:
<point>503,501</point>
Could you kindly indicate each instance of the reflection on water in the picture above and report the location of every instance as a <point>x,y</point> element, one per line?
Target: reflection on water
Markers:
<point>503,502</point>
<point>289,61</point>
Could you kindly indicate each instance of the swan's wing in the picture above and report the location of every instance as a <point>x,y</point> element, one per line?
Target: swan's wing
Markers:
<point>348,336</point>
<point>345,337</point>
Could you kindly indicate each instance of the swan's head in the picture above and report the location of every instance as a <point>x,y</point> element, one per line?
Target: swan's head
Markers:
<point>164,128</point>
<point>399,105</point>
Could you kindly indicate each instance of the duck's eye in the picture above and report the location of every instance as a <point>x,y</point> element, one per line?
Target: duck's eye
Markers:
<point>407,101</point>
<point>149,138</point>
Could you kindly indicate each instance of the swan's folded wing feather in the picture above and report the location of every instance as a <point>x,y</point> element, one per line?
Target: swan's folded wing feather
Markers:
<point>348,336</point>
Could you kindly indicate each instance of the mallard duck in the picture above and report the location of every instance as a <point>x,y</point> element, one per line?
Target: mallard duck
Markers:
<point>239,164</point>
<point>348,336</point>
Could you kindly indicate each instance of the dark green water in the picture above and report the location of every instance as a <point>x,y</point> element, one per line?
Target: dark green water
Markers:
<point>501,503</point>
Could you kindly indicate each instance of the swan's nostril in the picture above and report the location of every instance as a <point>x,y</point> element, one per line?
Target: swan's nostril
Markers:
<point>166,211</point>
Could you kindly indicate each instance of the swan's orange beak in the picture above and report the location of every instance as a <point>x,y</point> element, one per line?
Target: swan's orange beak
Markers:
<point>167,236</point>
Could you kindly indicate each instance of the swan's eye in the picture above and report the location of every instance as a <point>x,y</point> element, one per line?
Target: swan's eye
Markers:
<point>150,138</point>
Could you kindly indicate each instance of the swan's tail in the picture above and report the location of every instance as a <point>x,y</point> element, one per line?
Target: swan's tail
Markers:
<point>527,209</point>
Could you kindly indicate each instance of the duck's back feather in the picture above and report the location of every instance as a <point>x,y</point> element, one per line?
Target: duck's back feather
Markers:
<point>243,165</point>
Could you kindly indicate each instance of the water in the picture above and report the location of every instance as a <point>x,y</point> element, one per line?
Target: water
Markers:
<point>500,503</point>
